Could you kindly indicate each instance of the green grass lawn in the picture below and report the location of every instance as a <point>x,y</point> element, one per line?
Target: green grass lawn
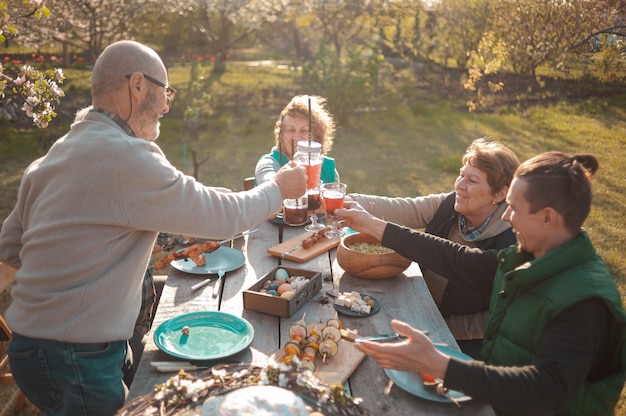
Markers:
<point>408,149</point>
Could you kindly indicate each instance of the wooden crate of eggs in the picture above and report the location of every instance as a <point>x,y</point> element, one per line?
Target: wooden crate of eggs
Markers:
<point>282,291</point>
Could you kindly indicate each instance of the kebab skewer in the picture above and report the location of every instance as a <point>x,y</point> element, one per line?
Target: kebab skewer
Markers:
<point>193,252</point>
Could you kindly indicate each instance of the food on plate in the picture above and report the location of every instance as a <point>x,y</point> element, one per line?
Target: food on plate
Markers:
<point>431,383</point>
<point>354,302</point>
<point>193,252</point>
<point>427,377</point>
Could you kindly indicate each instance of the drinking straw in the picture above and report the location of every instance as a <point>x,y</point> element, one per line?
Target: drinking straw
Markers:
<point>309,130</point>
<point>309,122</point>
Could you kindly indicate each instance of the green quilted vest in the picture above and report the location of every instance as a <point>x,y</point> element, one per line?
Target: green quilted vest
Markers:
<point>528,294</point>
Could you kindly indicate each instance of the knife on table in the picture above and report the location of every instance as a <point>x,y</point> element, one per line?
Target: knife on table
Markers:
<point>392,337</point>
<point>291,250</point>
<point>174,366</point>
<point>382,338</point>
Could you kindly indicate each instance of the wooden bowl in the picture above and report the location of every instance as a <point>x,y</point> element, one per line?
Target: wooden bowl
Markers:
<point>369,266</point>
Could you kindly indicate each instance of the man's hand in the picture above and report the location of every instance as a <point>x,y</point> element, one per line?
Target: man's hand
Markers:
<point>291,181</point>
<point>416,353</point>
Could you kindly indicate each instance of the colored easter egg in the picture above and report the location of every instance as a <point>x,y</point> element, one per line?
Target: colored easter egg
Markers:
<point>285,287</point>
<point>281,274</point>
<point>287,294</point>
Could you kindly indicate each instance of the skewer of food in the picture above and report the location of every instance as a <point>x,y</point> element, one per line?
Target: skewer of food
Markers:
<point>431,383</point>
<point>193,252</point>
<point>314,238</point>
<point>306,344</point>
<point>331,335</point>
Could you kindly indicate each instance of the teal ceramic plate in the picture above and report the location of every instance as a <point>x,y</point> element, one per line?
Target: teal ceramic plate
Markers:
<point>212,335</point>
<point>414,383</point>
<point>278,219</point>
<point>224,258</point>
<point>350,312</point>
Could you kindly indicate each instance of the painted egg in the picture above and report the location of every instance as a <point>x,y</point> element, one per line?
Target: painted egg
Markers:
<point>281,274</point>
<point>272,292</point>
<point>273,286</point>
<point>285,287</point>
<point>287,294</point>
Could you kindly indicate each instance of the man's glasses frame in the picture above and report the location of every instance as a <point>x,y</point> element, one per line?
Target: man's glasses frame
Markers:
<point>170,92</point>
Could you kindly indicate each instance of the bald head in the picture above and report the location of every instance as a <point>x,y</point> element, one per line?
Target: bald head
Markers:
<point>122,58</point>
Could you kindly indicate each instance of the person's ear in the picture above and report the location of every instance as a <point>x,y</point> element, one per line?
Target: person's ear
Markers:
<point>551,217</point>
<point>500,195</point>
<point>136,84</point>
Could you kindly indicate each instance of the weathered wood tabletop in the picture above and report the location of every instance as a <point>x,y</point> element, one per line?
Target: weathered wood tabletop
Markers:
<point>403,297</point>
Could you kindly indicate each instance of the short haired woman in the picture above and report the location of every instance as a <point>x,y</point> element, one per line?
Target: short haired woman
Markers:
<point>471,215</point>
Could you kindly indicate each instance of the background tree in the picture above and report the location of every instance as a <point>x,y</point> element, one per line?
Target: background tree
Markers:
<point>39,90</point>
<point>461,24</point>
<point>83,25</point>
<point>540,31</point>
<point>400,27</point>
<point>486,60</point>
<point>338,22</point>
<point>224,24</point>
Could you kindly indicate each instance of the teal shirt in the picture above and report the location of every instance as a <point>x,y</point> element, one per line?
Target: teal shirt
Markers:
<point>328,174</point>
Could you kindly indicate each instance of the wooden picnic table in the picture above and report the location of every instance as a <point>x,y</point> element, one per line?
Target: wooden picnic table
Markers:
<point>403,297</point>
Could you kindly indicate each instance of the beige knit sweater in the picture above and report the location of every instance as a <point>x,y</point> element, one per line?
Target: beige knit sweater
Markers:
<point>85,222</point>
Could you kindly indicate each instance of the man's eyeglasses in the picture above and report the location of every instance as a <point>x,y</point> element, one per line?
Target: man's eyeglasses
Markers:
<point>170,92</point>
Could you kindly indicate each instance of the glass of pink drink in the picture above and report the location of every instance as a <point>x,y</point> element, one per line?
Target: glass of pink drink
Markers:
<point>333,195</point>
<point>310,156</point>
<point>313,172</point>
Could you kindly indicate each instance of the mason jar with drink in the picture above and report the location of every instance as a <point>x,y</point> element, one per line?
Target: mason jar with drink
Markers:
<point>309,155</point>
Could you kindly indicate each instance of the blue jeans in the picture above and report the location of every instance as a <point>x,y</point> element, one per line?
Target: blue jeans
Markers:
<point>63,378</point>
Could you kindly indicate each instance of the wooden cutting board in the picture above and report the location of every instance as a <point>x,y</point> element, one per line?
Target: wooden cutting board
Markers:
<point>301,255</point>
<point>339,367</point>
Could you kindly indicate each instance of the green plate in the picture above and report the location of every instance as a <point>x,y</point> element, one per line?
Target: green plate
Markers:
<point>414,383</point>
<point>212,335</point>
<point>224,258</point>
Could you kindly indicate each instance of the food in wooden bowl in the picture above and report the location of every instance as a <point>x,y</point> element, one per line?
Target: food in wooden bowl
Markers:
<point>362,255</point>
